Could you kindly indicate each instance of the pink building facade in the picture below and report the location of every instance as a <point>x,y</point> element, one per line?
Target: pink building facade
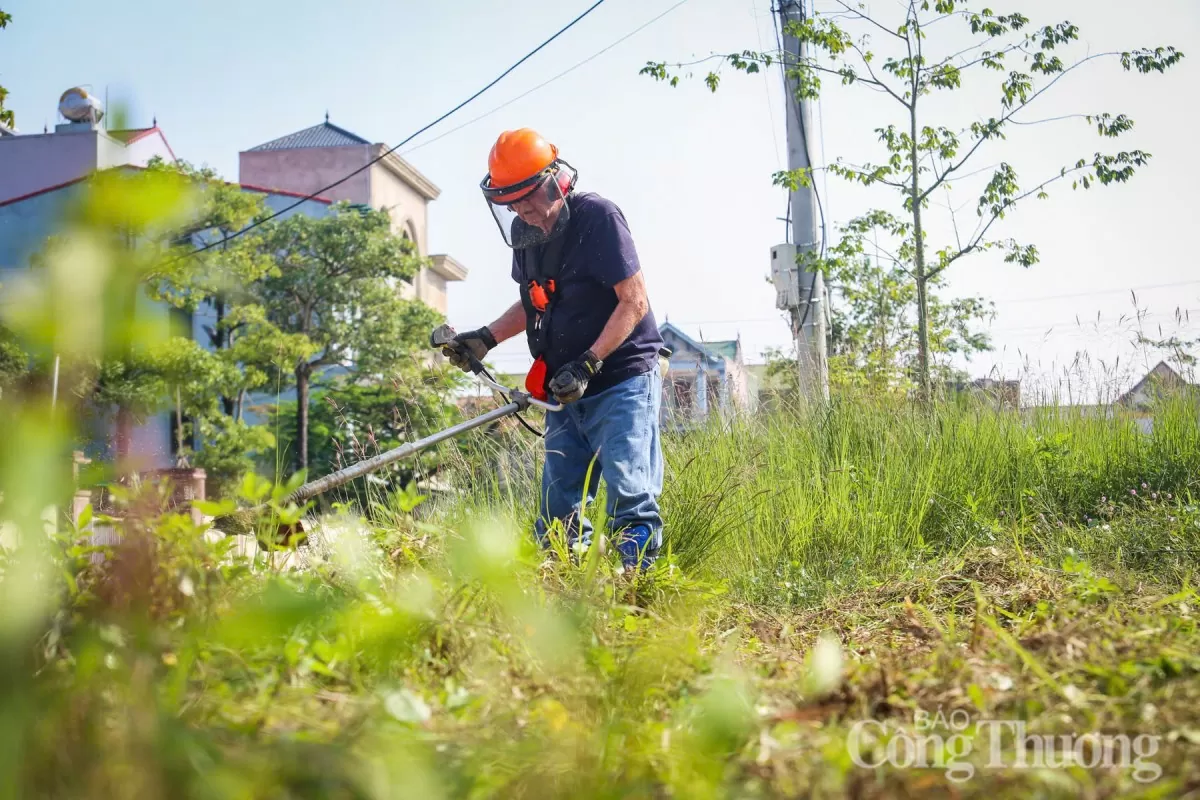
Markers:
<point>311,159</point>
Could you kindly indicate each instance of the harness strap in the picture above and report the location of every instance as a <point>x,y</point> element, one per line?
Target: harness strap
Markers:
<point>541,267</point>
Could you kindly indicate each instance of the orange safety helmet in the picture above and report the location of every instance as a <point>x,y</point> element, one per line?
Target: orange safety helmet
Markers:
<point>519,162</point>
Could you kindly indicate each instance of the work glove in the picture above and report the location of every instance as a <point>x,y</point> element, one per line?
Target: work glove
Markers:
<point>571,380</point>
<point>477,343</point>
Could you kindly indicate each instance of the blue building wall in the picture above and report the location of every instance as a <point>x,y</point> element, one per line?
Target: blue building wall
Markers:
<point>24,227</point>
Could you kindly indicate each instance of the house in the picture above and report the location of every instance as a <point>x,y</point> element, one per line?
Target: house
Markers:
<point>1153,387</point>
<point>1140,401</point>
<point>40,174</point>
<point>311,159</point>
<point>1137,403</point>
<point>702,378</point>
<point>26,221</point>
<point>31,164</point>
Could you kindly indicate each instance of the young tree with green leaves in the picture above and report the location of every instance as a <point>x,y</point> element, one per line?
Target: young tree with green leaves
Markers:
<point>907,58</point>
<point>338,285</point>
<point>874,336</point>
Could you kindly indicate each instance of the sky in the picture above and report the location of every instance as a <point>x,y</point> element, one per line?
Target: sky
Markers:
<point>690,169</point>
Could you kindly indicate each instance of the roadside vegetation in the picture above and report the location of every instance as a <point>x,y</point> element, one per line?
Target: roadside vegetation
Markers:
<point>857,565</point>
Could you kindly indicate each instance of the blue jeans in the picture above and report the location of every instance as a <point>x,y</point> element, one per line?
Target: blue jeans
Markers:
<point>618,426</point>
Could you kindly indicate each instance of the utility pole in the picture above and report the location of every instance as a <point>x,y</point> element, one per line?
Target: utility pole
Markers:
<point>807,301</point>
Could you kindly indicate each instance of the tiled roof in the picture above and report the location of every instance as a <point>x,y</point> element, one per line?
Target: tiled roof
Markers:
<point>324,135</point>
<point>131,135</point>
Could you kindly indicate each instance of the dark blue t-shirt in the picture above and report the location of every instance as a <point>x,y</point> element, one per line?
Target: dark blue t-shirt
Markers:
<point>597,254</point>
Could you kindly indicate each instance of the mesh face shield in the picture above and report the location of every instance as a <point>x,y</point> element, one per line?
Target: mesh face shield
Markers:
<point>535,210</point>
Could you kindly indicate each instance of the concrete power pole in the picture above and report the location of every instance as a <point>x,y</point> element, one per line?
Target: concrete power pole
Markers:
<point>808,301</point>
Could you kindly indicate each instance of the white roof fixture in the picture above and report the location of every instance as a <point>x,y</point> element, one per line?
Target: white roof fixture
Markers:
<point>79,106</point>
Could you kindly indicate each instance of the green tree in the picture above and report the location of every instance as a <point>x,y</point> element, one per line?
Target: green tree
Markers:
<point>349,422</point>
<point>13,359</point>
<point>193,380</point>
<point>874,338</point>
<point>338,284</point>
<point>119,227</point>
<point>167,371</point>
<point>6,115</point>
<point>925,149</point>
<point>223,277</point>
<point>244,349</point>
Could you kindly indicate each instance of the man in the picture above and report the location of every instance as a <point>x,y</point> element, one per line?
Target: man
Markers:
<point>594,339</point>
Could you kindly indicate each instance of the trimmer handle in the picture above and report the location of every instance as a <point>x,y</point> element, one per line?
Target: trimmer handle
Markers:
<point>443,336</point>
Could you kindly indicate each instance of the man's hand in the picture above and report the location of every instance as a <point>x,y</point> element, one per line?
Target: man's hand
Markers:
<point>570,382</point>
<point>477,343</point>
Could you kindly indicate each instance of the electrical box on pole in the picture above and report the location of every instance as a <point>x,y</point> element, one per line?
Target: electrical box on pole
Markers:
<point>785,275</point>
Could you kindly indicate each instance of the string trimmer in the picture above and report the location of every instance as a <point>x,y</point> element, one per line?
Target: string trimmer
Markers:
<point>242,521</point>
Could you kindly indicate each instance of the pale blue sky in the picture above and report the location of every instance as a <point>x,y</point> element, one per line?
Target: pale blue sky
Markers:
<point>690,169</point>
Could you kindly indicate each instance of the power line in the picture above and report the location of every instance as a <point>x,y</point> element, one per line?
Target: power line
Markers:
<point>1145,288</point>
<point>767,84</point>
<point>1096,326</point>
<point>388,152</point>
<point>544,84</point>
<point>787,214</point>
<point>1120,290</point>
<point>1086,325</point>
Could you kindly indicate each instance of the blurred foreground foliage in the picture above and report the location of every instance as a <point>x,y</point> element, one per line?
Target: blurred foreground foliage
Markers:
<point>864,563</point>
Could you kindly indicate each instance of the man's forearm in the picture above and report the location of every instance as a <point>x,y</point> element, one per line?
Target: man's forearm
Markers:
<point>509,324</point>
<point>624,319</point>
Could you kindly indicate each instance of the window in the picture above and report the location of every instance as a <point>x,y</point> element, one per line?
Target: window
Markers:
<point>410,233</point>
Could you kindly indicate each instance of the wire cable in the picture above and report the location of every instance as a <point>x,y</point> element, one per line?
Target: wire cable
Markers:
<point>507,399</point>
<point>546,83</point>
<point>787,214</point>
<point>767,84</point>
<point>408,139</point>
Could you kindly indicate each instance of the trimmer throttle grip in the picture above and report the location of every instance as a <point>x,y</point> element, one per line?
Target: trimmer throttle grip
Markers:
<point>443,336</point>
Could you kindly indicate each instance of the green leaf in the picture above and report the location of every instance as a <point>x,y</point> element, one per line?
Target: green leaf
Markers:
<point>321,669</point>
<point>407,706</point>
<point>293,650</point>
<point>322,650</point>
<point>214,508</point>
<point>976,695</point>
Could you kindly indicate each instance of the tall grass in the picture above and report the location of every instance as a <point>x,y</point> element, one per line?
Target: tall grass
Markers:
<point>437,653</point>
<point>788,505</point>
<point>868,485</point>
